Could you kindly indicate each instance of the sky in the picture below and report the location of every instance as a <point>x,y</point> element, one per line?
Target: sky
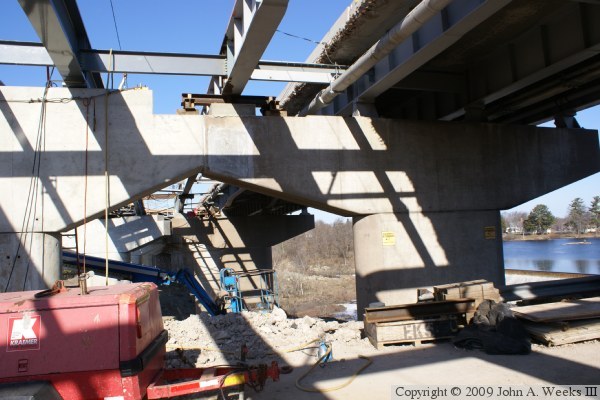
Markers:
<point>198,27</point>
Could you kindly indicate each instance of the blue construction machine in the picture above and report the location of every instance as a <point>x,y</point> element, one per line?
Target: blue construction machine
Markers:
<point>143,273</point>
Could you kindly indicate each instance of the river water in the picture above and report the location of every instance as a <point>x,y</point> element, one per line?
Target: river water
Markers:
<point>558,255</point>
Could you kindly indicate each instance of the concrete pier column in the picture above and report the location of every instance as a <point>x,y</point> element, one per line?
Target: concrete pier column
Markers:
<point>33,258</point>
<point>397,253</point>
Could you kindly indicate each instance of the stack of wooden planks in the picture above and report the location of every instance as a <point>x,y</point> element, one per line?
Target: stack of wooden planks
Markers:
<point>562,322</point>
<point>477,290</point>
<point>414,332</point>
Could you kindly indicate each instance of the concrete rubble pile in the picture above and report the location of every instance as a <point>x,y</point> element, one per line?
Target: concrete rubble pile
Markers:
<point>205,340</point>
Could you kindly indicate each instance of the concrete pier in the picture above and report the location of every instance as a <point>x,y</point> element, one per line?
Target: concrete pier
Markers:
<point>395,254</point>
<point>29,261</point>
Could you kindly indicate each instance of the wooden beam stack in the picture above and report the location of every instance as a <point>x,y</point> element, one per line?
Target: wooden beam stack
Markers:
<point>477,290</point>
<point>562,322</point>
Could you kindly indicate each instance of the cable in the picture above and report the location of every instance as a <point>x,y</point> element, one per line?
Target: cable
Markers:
<point>32,191</point>
<point>86,103</point>
<point>300,37</point>
<point>35,174</point>
<point>297,348</point>
<point>106,174</point>
<point>112,7</point>
<point>115,22</point>
<point>331,389</point>
<point>311,41</point>
<point>58,100</point>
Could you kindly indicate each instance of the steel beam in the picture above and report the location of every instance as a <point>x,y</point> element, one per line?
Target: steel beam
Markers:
<point>526,79</point>
<point>180,202</point>
<point>24,53</point>
<point>102,61</point>
<point>293,72</point>
<point>407,312</point>
<point>152,63</point>
<point>587,286</point>
<point>250,29</point>
<point>61,30</point>
<point>433,38</point>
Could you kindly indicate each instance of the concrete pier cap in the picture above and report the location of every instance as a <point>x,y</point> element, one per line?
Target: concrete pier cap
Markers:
<point>437,186</point>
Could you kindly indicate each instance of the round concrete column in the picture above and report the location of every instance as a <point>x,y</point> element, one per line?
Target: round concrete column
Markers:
<point>36,265</point>
<point>396,254</point>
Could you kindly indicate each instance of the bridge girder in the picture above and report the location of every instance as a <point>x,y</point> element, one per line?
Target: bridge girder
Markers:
<point>61,31</point>
<point>497,61</point>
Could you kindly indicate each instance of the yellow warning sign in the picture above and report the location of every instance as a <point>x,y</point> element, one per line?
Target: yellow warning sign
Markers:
<point>489,232</point>
<point>388,238</point>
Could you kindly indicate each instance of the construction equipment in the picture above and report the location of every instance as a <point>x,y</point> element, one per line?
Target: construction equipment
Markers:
<point>143,273</point>
<point>262,289</point>
<point>109,343</point>
<point>230,283</point>
<point>325,352</point>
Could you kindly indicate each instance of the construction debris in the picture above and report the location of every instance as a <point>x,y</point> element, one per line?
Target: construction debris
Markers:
<point>218,340</point>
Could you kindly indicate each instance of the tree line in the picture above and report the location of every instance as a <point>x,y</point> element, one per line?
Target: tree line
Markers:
<point>580,219</point>
<point>316,269</point>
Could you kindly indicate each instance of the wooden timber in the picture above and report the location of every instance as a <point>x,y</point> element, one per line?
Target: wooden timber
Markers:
<point>477,290</point>
<point>561,311</point>
<point>414,332</point>
<point>558,333</point>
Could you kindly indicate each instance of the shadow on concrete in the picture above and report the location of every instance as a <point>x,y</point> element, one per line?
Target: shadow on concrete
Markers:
<point>429,366</point>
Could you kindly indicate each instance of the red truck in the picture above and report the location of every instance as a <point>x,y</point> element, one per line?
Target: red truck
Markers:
<point>107,344</point>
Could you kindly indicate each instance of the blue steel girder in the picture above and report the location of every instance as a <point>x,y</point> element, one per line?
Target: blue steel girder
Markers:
<point>465,59</point>
<point>60,28</point>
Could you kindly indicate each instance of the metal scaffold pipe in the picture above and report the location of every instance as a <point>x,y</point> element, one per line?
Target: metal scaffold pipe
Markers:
<point>384,46</point>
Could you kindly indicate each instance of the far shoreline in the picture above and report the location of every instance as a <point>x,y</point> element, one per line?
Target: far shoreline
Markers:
<point>515,237</point>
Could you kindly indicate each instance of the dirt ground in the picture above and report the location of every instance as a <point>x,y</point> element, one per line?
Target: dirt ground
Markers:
<point>205,341</point>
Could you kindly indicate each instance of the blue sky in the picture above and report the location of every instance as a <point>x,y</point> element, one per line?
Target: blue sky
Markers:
<point>198,27</point>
